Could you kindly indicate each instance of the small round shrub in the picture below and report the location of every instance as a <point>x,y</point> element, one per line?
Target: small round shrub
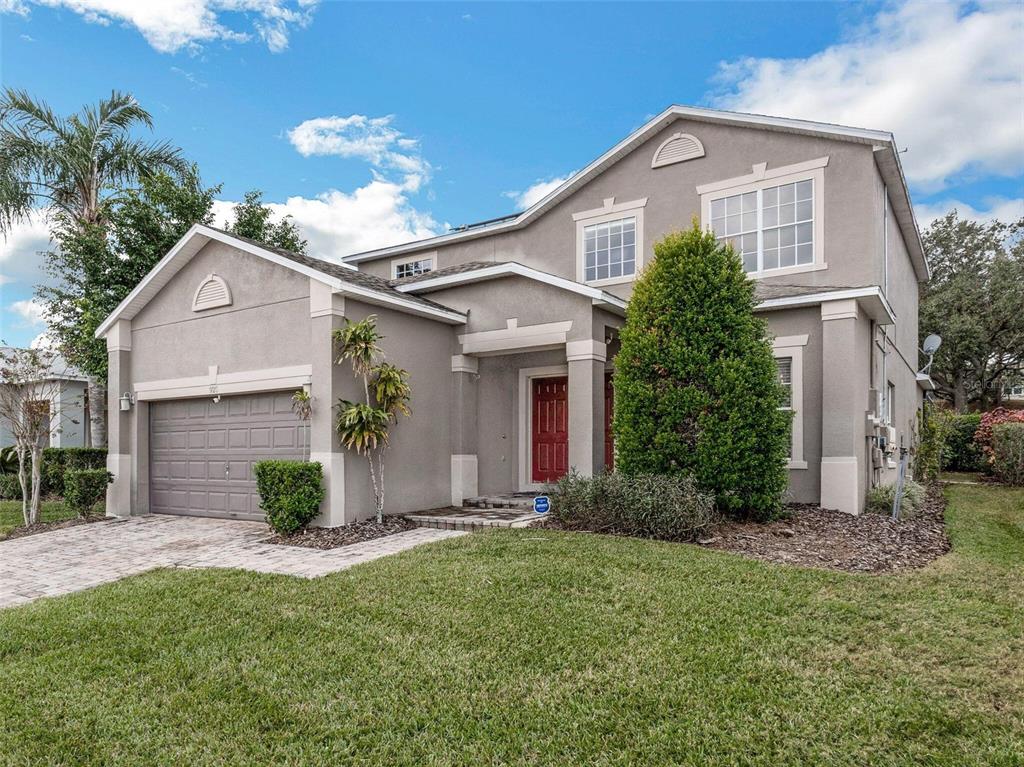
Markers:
<point>290,493</point>
<point>10,488</point>
<point>984,435</point>
<point>84,488</point>
<point>1008,453</point>
<point>880,498</point>
<point>668,507</point>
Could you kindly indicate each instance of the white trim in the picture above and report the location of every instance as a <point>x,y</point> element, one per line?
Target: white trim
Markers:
<point>431,257</point>
<point>925,382</point>
<point>761,178</point>
<point>463,364</point>
<point>611,212</point>
<point>525,397</point>
<point>465,478</point>
<point>324,301</point>
<point>839,484</point>
<point>199,236</point>
<point>226,300</point>
<point>119,339</point>
<point>609,208</point>
<point>513,337</point>
<point>586,350</point>
<point>697,151</point>
<point>214,383</point>
<point>332,507</point>
<point>760,173</point>
<point>845,309</point>
<point>508,269</point>
<point>793,348</point>
<point>880,312</point>
<point>627,145</point>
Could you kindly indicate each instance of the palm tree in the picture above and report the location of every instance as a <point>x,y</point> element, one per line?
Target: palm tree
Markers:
<point>74,167</point>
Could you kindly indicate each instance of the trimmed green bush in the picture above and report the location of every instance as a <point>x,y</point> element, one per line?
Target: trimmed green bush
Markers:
<point>696,384</point>
<point>933,426</point>
<point>1008,453</point>
<point>961,452</point>
<point>10,489</point>
<point>290,493</point>
<point>57,460</point>
<point>84,488</point>
<point>669,507</point>
<point>880,498</point>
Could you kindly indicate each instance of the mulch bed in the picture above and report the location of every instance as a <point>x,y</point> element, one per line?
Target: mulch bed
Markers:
<point>334,537</point>
<point>813,537</point>
<point>46,527</point>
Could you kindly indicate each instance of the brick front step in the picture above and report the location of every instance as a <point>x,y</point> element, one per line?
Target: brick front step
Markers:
<point>502,501</point>
<point>471,518</point>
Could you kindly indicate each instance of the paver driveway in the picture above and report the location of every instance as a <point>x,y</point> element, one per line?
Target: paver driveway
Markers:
<point>81,557</point>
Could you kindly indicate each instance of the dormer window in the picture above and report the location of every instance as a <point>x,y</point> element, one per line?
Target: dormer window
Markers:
<point>412,267</point>
<point>212,293</point>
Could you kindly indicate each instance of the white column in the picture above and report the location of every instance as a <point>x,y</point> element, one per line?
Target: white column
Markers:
<point>586,405</point>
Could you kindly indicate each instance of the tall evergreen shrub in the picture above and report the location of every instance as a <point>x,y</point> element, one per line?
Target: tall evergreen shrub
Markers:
<point>696,384</point>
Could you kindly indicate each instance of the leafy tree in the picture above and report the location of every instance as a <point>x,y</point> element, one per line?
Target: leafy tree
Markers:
<point>97,266</point>
<point>253,219</point>
<point>75,167</point>
<point>696,385</point>
<point>366,426</point>
<point>975,302</point>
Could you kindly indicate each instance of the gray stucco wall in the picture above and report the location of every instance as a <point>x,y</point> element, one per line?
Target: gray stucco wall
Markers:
<point>266,326</point>
<point>418,464</point>
<point>549,243</point>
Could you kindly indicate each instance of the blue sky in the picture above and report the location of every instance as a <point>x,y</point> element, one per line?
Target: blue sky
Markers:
<point>377,123</point>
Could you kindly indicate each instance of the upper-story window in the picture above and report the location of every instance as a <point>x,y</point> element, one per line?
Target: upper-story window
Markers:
<point>413,267</point>
<point>773,218</point>
<point>609,249</point>
<point>609,242</point>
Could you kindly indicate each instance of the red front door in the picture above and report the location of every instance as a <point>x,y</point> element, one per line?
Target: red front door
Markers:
<point>550,429</point>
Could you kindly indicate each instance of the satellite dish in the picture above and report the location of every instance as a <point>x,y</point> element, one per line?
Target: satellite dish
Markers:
<point>932,344</point>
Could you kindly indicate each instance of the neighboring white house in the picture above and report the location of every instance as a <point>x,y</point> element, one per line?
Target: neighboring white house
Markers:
<point>65,389</point>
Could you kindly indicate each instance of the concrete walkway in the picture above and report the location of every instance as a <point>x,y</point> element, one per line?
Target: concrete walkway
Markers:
<point>76,558</point>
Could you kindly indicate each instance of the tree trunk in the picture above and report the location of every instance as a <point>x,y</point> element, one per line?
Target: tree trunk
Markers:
<point>959,395</point>
<point>37,475</point>
<point>23,481</point>
<point>97,413</point>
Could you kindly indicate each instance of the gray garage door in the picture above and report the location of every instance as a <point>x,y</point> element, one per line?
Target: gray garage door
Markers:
<point>202,452</point>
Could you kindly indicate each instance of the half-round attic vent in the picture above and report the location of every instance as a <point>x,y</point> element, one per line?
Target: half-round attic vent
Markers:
<point>677,148</point>
<point>211,293</point>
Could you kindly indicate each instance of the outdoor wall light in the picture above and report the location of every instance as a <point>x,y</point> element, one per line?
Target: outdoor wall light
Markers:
<point>127,400</point>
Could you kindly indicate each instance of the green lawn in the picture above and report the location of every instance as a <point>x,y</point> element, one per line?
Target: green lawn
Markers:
<point>50,511</point>
<point>528,647</point>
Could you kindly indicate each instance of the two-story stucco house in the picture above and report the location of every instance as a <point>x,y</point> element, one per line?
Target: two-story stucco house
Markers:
<point>509,328</point>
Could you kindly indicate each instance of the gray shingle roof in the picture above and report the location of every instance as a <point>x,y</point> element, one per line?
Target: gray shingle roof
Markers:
<point>767,291</point>
<point>343,273</point>
<point>469,266</point>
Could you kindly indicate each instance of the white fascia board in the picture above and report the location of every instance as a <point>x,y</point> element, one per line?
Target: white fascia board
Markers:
<point>409,307</point>
<point>925,382</point>
<point>509,270</point>
<point>635,138</point>
<point>881,312</point>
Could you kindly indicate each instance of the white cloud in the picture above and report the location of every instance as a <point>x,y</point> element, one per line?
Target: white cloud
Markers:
<point>338,223</point>
<point>31,311</point>
<point>1001,208</point>
<point>537,192</point>
<point>373,139</point>
<point>171,25</point>
<point>42,341</point>
<point>945,78</point>
<point>20,259</point>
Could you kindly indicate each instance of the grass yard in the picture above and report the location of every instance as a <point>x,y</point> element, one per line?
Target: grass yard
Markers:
<point>49,511</point>
<point>529,647</point>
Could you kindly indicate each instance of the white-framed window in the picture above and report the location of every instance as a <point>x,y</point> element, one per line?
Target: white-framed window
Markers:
<point>609,249</point>
<point>1014,391</point>
<point>773,218</point>
<point>789,359</point>
<point>412,267</point>
<point>785,368</point>
<point>609,242</point>
<point>890,403</point>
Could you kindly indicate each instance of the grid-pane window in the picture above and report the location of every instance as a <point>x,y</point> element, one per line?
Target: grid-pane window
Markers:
<point>413,268</point>
<point>609,249</point>
<point>771,228</point>
<point>785,366</point>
